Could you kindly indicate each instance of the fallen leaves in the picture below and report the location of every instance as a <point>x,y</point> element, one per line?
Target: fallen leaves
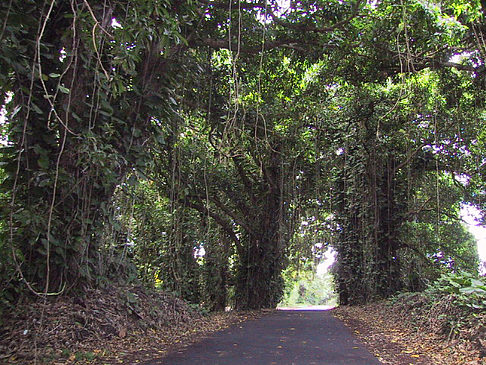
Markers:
<point>113,326</point>
<point>122,333</point>
<point>392,335</point>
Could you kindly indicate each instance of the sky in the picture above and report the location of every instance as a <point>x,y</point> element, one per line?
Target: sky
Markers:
<point>470,215</point>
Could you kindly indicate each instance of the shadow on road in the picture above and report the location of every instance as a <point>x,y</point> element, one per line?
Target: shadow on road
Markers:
<point>284,337</point>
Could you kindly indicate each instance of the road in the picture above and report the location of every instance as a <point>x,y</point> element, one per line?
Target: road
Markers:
<point>280,338</point>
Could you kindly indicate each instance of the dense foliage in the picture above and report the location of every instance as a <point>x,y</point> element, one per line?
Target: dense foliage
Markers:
<point>188,144</point>
<point>453,307</point>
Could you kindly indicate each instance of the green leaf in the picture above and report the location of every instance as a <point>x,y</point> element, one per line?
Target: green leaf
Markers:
<point>63,89</point>
<point>15,111</point>
<point>35,108</point>
<point>478,283</point>
<point>43,162</point>
<point>473,290</point>
<point>160,138</point>
<point>44,182</point>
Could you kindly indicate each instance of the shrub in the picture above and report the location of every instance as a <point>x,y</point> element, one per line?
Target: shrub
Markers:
<point>467,290</point>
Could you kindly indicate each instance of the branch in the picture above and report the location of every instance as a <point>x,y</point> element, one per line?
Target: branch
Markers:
<point>411,213</point>
<point>307,28</point>
<point>285,42</point>
<point>226,226</point>
<point>419,148</point>
<point>409,158</point>
<point>230,213</point>
<point>461,67</point>
<point>417,251</point>
<point>269,178</point>
<point>235,5</point>
<point>247,183</point>
<point>419,62</point>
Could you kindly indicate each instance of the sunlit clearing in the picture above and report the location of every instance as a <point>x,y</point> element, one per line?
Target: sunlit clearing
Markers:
<point>329,259</point>
<point>280,11</point>
<point>283,6</point>
<point>62,55</point>
<point>471,216</point>
<point>3,118</point>
<point>311,289</point>
<point>199,252</point>
<point>459,57</point>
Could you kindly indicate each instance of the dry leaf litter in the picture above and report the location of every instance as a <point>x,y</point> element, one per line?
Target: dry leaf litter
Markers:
<point>411,331</point>
<point>117,325</point>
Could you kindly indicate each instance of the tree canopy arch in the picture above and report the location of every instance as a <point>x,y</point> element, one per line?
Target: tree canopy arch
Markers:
<point>226,118</point>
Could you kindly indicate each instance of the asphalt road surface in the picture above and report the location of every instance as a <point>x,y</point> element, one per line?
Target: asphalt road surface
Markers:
<point>280,338</point>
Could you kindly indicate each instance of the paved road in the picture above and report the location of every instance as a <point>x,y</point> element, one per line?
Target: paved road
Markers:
<point>280,338</point>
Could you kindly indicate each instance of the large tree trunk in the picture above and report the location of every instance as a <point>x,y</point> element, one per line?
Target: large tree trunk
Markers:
<point>259,282</point>
<point>70,156</point>
<point>369,217</point>
<point>216,271</point>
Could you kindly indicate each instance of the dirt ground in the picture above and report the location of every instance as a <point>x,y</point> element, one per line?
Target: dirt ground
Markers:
<point>116,325</point>
<point>395,339</point>
<point>132,325</point>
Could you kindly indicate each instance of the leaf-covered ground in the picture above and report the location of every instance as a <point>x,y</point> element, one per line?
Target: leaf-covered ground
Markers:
<point>411,331</point>
<point>115,325</point>
<point>131,325</point>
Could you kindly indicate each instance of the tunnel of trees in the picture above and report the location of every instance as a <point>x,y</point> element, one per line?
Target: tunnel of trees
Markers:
<point>205,146</point>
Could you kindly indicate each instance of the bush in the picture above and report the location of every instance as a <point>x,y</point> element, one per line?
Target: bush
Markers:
<point>452,307</point>
<point>467,290</point>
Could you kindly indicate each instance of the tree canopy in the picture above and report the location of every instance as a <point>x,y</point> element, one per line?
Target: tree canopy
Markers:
<point>205,146</point>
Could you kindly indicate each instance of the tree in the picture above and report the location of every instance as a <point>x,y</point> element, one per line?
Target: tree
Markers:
<point>85,93</point>
<point>130,119</point>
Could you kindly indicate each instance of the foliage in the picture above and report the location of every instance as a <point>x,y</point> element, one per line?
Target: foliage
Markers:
<point>398,158</point>
<point>452,307</point>
<point>73,131</point>
<point>144,132</point>
<point>163,253</point>
<point>467,289</point>
<point>309,290</point>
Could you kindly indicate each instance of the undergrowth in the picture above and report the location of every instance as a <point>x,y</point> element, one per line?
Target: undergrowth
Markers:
<point>452,307</point>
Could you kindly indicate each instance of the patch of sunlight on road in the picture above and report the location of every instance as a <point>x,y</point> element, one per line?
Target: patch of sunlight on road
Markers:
<point>307,308</point>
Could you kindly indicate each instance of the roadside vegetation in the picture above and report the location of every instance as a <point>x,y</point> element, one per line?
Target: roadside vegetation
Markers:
<point>212,152</point>
<point>445,324</point>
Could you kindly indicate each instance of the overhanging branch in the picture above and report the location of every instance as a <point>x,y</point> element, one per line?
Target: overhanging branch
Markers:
<point>284,43</point>
<point>225,225</point>
<point>308,28</point>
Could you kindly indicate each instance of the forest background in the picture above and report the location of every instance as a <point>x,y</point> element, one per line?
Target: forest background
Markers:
<point>140,134</point>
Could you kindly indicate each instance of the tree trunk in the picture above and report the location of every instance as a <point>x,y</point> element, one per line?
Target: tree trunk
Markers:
<point>259,283</point>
